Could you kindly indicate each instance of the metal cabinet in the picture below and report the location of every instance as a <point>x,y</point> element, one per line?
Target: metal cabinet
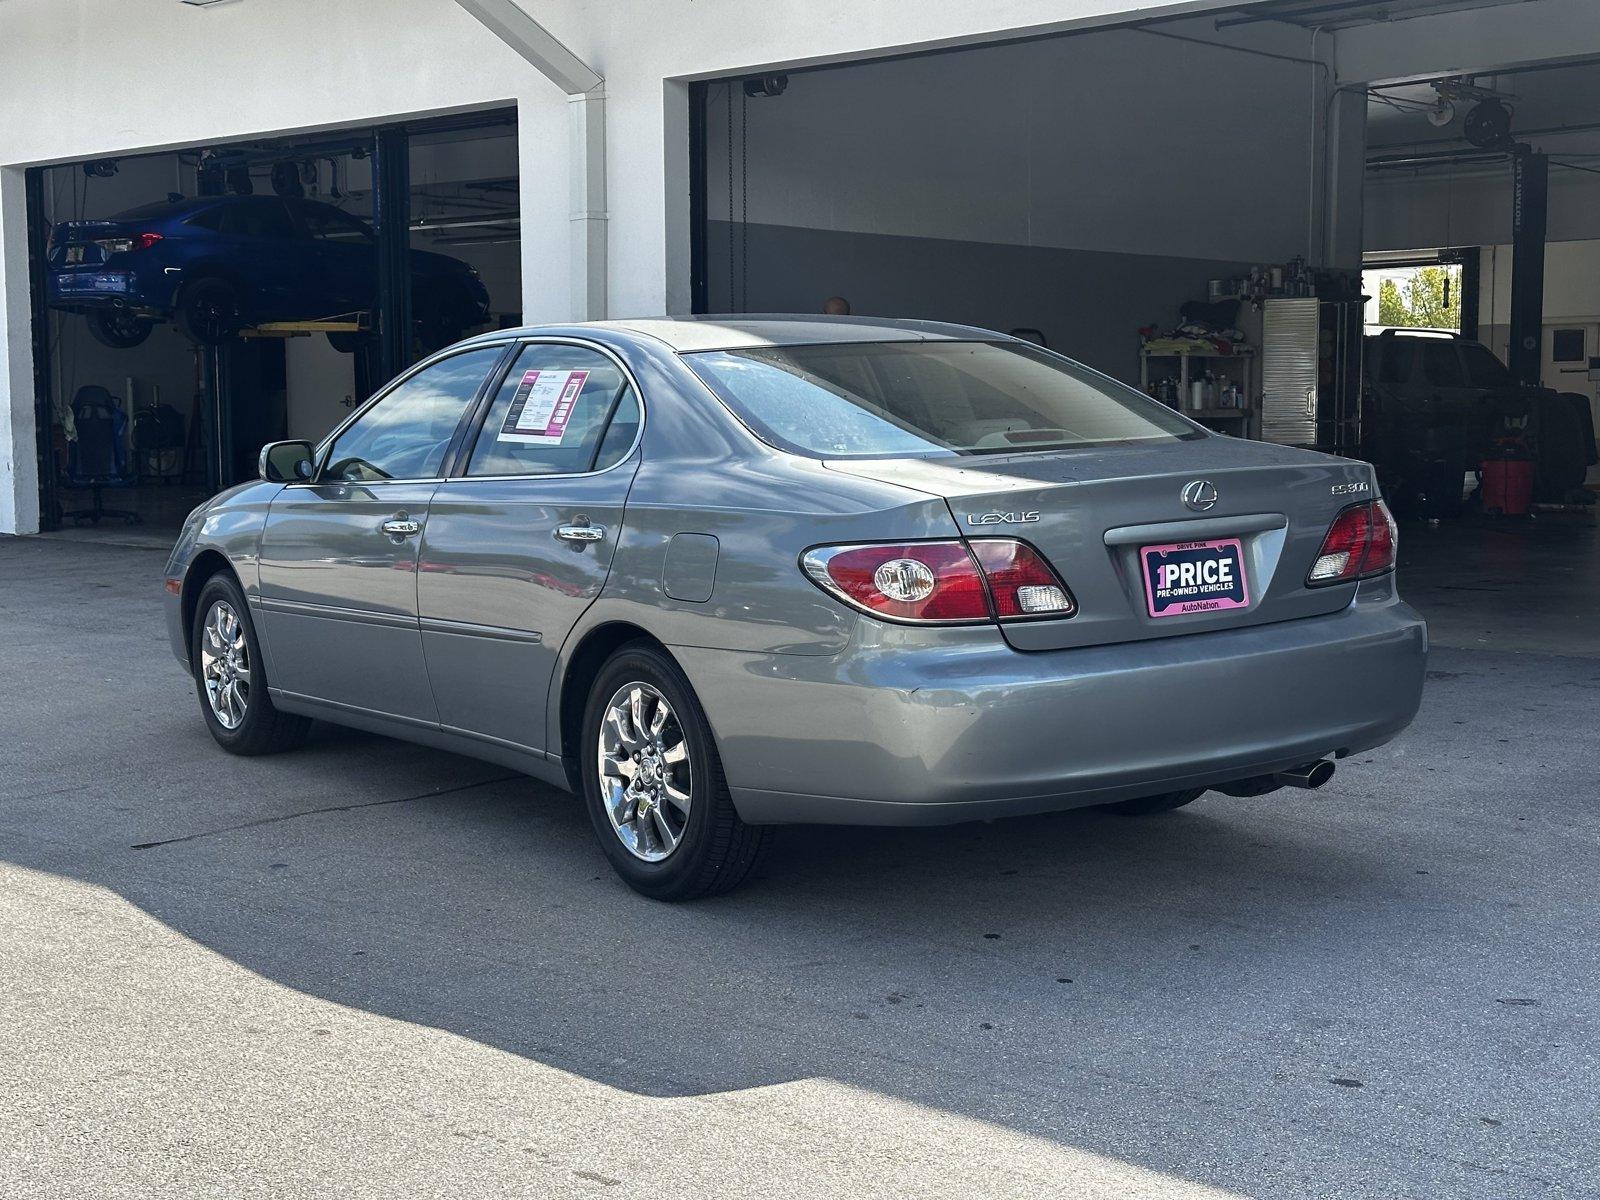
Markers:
<point>1289,334</point>
<point>1311,373</point>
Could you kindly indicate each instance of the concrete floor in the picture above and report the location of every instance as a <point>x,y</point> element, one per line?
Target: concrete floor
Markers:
<point>1506,583</point>
<point>368,969</point>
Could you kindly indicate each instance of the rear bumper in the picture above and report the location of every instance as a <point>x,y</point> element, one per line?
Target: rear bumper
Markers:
<point>87,289</point>
<point>903,730</point>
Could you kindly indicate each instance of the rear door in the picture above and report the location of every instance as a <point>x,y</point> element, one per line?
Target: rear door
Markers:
<point>520,540</point>
<point>346,258</point>
<point>338,559</point>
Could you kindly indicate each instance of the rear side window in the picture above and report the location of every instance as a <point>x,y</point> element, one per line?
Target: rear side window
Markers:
<point>1396,360</point>
<point>872,399</point>
<point>405,435</point>
<point>261,219</point>
<point>210,219</point>
<point>562,410</point>
<point>1483,368</point>
<point>1441,366</point>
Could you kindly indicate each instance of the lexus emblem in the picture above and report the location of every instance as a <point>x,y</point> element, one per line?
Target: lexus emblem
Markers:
<point>1200,494</point>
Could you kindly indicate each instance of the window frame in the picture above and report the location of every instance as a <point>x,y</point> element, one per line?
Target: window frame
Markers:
<point>325,447</point>
<point>460,456</point>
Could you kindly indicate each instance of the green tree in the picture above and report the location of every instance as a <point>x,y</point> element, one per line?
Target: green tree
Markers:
<point>1431,298</point>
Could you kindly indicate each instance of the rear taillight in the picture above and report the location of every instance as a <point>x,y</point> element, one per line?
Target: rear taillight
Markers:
<point>944,582</point>
<point>1361,543</point>
<point>123,245</point>
<point>1021,584</point>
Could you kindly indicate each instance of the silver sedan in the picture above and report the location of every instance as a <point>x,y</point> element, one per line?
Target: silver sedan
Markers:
<point>720,574</point>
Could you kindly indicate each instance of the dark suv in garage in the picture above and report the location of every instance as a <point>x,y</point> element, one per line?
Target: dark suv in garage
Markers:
<point>1436,405</point>
<point>222,263</point>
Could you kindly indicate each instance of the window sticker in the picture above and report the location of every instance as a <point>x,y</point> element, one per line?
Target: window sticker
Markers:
<point>542,406</point>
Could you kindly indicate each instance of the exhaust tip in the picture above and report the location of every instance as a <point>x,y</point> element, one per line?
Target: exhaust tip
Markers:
<point>1311,776</point>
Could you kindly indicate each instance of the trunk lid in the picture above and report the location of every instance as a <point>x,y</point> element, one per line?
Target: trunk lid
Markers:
<point>1091,511</point>
<point>73,244</point>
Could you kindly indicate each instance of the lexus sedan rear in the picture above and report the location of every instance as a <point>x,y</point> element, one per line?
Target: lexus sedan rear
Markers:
<point>721,574</point>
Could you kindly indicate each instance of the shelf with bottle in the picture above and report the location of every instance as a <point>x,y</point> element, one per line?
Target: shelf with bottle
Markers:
<point>1199,393</point>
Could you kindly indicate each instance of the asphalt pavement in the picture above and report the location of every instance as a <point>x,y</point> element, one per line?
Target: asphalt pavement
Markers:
<point>368,969</point>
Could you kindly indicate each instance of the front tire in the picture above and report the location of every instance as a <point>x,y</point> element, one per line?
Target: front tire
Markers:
<point>230,678</point>
<point>653,783</point>
<point>1146,806</point>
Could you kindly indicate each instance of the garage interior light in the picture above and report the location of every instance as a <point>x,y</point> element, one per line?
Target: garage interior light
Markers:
<point>204,3</point>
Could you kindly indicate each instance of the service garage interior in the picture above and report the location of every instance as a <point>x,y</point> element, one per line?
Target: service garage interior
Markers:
<point>293,259</point>
<point>1398,269</point>
<point>1162,202</point>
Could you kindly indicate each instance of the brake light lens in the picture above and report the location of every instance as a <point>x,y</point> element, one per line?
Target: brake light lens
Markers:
<point>942,582</point>
<point>124,245</point>
<point>1361,542</point>
<point>1021,583</point>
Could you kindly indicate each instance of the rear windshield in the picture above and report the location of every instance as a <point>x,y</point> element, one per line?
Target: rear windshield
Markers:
<point>876,399</point>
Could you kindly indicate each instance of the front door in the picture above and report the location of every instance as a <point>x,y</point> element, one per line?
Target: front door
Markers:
<point>346,256</point>
<point>519,543</point>
<point>338,559</point>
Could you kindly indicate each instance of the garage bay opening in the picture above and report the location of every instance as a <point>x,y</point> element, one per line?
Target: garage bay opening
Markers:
<point>192,305</point>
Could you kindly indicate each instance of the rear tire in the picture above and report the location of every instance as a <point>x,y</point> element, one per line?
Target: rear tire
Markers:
<point>209,311</point>
<point>230,677</point>
<point>117,329</point>
<point>1146,806</point>
<point>664,848</point>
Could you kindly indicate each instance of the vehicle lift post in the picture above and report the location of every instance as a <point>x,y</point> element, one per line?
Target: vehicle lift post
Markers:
<point>1530,195</point>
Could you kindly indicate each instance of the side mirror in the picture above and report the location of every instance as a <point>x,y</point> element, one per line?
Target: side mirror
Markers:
<point>286,462</point>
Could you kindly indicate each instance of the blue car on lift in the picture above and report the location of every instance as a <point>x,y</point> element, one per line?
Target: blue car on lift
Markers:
<point>218,264</point>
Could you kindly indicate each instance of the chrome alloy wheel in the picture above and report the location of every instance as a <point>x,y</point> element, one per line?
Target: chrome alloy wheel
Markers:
<point>646,776</point>
<point>225,664</point>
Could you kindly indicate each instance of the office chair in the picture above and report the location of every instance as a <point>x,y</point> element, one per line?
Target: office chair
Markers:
<point>98,459</point>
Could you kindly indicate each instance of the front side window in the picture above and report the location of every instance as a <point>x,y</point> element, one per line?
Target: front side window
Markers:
<point>873,399</point>
<point>405,435</point>
<point>258,219</point>
<point>562,410</point>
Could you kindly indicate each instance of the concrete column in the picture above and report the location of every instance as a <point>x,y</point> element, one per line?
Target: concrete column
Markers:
<point>19,465</point>
<point>586,168</point>
<point>1346,183</point>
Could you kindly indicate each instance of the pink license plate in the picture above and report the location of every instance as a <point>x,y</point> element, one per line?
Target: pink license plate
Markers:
<point>1193,577</point>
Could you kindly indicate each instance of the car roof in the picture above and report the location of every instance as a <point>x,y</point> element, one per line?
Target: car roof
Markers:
<point>750,330</point>
<point>179,208</point>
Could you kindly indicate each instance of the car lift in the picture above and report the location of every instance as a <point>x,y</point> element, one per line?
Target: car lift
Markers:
<point>352,322</point>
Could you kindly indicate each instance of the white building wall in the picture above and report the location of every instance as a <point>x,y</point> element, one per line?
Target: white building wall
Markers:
<point>183,75</point>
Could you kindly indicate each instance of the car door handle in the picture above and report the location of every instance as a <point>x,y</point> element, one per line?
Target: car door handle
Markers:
<point>581,533</point>
<point>400,527</point>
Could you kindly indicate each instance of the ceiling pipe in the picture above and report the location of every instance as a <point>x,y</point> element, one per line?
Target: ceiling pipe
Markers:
<point>586,142</point>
